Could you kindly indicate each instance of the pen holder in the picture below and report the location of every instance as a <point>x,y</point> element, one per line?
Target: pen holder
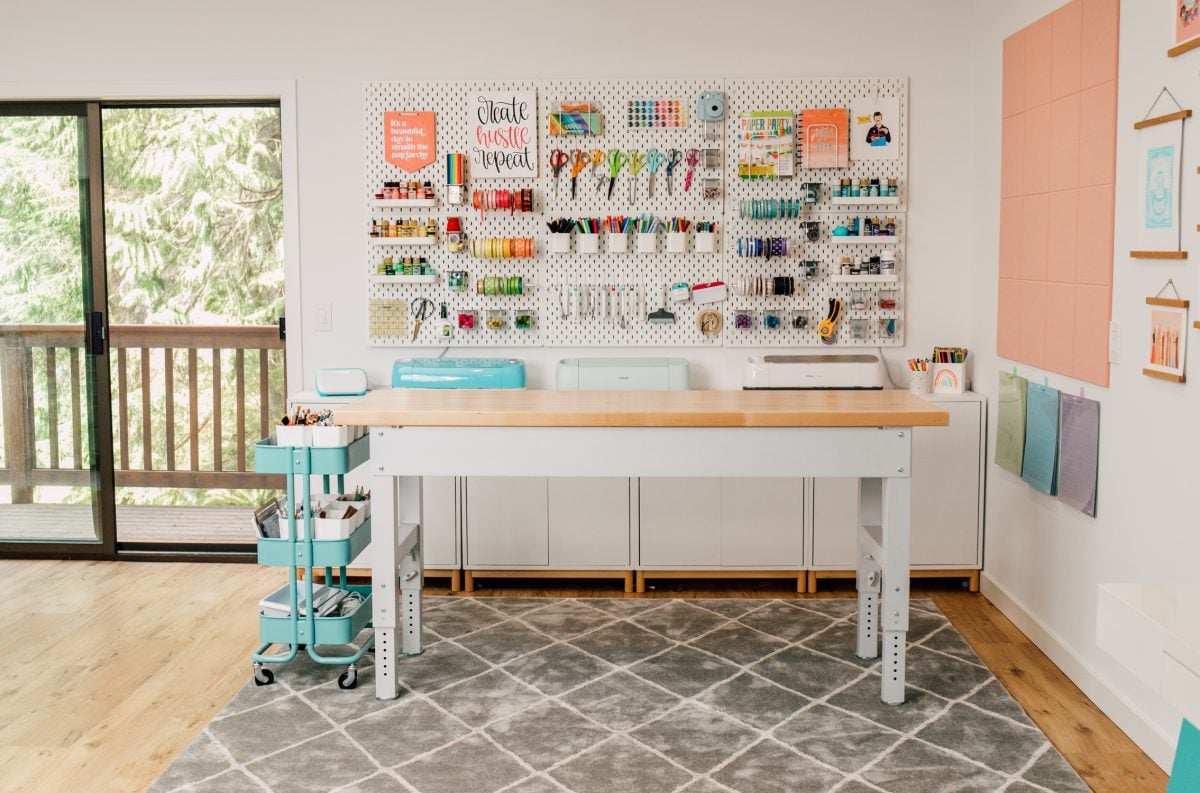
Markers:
<point>293,435</point>
<point>949,378</point>
<point>918,382</point>
<point>588,243</point>
<point>560,242</point>
<point>618,242</point>
<point>706,242</point>
<point>332,436</point>
<point>647,242</point>
<point>676,242</point>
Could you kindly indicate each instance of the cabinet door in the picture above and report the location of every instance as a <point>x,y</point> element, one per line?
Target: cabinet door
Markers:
<point>438,530</point>
<point>680,522</point>
<point>762,522</point>
<point>945,489</point>
<point>506,521</point>
<point>589,521</point>
<point>835,522</point>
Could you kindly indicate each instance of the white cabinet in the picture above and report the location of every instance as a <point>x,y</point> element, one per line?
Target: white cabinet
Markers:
<point>439,497</point>
<point>560,522</point>
<point>732,522</point>
<point>506,521</point>
<point>946,497</point>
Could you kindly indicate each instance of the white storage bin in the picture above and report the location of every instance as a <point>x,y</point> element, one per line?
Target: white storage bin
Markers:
<point>363,506</point>
<point>676,242</point>
<point>588,243</point>
<point>706,242</point>
<point>618,242</point>
<point>647,242</point>
<point>333,436</point>
<point>336,522</point>
<point>560,242</point>
<point>293,435</point>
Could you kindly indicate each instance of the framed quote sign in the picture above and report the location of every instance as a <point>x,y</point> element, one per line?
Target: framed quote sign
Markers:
<point>409,139</point>
<point>503,134</point>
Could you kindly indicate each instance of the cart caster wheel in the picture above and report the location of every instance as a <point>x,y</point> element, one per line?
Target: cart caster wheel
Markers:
<point>263,677</point>
<point>348,679</point>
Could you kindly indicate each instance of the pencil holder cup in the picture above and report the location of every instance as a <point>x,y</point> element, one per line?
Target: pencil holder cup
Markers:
<point>918,382</point>
<point>560,242</point>
<point>676,242</point>
<point>332,436</point>
<point>588,243</point>
<point>618,242</point>
<point>706,242</point>
<point>293,435</point>
<point>647,242</point>
<point>949,378</point>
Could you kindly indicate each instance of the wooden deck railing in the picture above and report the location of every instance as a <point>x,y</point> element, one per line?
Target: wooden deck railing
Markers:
<point>161,436</point>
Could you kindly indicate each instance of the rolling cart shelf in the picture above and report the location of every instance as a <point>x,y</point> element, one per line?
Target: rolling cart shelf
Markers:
<point>272,459</point>
<point>325,553</point>
<point>328,630</point>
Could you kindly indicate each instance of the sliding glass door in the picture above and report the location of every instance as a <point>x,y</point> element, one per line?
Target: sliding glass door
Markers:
<point>55,483</point>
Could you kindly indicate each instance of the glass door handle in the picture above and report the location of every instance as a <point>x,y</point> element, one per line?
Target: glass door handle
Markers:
<point>96,333</point>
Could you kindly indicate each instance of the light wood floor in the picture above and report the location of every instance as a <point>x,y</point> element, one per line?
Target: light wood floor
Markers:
<point>110,669</point>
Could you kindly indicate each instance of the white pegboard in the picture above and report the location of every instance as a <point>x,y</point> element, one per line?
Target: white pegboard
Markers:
<point>649,274</point>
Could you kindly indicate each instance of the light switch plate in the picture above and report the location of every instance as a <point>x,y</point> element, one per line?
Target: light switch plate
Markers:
<point>323,317</point>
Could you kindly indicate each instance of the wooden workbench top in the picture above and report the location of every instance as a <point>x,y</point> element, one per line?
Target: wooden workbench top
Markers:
<point>516,408</point>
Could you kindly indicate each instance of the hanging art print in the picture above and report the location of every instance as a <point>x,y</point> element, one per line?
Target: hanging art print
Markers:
<point>824,138</point>
<point>1187,25</point>
<point>503,134</point>
<point>875,129</point>
<point>1160,171</point>
<point>409,141</point>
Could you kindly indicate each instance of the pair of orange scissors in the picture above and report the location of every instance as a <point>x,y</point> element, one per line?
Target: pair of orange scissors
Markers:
<point>558,161</point>
<point>580,159</point>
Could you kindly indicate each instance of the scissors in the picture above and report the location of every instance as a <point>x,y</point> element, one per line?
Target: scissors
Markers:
<point>579,160</point>
<point>654,159</point>
<point>558,161</point>
<point>693,159</point>
<point>674,156</point>
<point>616,161</point>
<point>636,162</point>
<point>422,310</point>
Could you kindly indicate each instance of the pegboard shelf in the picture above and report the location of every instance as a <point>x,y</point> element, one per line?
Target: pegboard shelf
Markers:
<point>413,241</point>
<point>405,279</point>
<point>879,239</point>
<point>889,201</point>
<point>404,202</point>
<point>838,278</point>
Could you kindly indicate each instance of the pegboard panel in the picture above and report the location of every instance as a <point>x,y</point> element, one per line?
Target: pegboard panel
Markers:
<point>812,296</point>
<point>448,101</point>
<point>649,274</point>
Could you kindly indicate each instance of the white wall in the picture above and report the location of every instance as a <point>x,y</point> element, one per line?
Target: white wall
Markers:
<point>1043,561</point>
<point>331,49</point>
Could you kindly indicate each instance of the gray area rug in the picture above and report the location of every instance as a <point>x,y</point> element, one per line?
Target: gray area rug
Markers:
<point>599,696</point>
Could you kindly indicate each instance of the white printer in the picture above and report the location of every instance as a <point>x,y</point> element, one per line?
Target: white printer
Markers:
<point>858,370</point>
<point>622,374</point>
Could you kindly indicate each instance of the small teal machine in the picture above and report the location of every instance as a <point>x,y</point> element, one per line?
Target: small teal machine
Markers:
<point>458,373</point>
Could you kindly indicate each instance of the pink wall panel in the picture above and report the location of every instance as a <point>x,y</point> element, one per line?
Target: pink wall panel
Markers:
<point>1032,334</point>
<point>1098,51</point>
<point>1067,43</point>
<point>1035,169</point>
<point>1064,143</point>
<point>1098,134</point>
<point>1060,327</point>
<point>1014,75</point>
<point>1034,247</point>
<point>1062,237</point>
<point>1039,47</point>
<point>1095,246</point>
<point>1057,172</point>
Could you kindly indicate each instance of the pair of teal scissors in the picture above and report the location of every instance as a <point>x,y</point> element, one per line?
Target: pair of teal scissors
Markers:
<point>654,159</point>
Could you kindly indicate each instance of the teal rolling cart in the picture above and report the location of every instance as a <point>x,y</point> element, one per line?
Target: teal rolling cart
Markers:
<point>300,552</point>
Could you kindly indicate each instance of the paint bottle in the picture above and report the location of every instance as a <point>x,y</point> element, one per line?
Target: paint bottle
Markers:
<point>887,262</point>
<point>845,266</point>
<point>891,188</point>
<point>855,192</point>
<point>891,227</point>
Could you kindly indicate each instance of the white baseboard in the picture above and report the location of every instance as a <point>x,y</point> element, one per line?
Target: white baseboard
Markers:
<point>1160,747</point>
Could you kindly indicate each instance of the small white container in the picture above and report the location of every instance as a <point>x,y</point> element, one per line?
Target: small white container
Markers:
<point>618,242</point>
<point>949,378</point>
<point>706,242</point>
<point>647,242</point>
<point>363,506</point>
<point>588,243</point>
<point>560,242</point>
<point>332,436</point>
<point>293,435</point>
<point>676,242</point>
<point>918,382</point>
<point>336,522</point>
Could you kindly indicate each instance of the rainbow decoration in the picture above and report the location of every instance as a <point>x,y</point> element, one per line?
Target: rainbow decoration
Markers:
<point>456,169</point>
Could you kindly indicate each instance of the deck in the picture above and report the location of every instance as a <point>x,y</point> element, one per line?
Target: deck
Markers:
<point>135,523</point>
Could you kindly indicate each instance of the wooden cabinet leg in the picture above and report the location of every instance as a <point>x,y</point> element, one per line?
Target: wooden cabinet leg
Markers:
<point>812,581</point>
<point>628,581</point>
<point>455,580</point>
<point>470,582</point>
<point>641,581</point>
<point>973,581</point>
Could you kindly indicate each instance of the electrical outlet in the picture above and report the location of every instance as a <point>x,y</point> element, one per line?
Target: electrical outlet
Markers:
<point>1114,343</point>
<point>323,317</point>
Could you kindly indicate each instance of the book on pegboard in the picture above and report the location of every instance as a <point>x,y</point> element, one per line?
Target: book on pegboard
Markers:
<point>825,138</point>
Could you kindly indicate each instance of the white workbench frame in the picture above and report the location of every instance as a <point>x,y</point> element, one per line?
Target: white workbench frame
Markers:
<point>880,457</point>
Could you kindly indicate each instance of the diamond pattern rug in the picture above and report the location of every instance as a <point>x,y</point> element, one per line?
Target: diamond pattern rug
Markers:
<point>535,695</point>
